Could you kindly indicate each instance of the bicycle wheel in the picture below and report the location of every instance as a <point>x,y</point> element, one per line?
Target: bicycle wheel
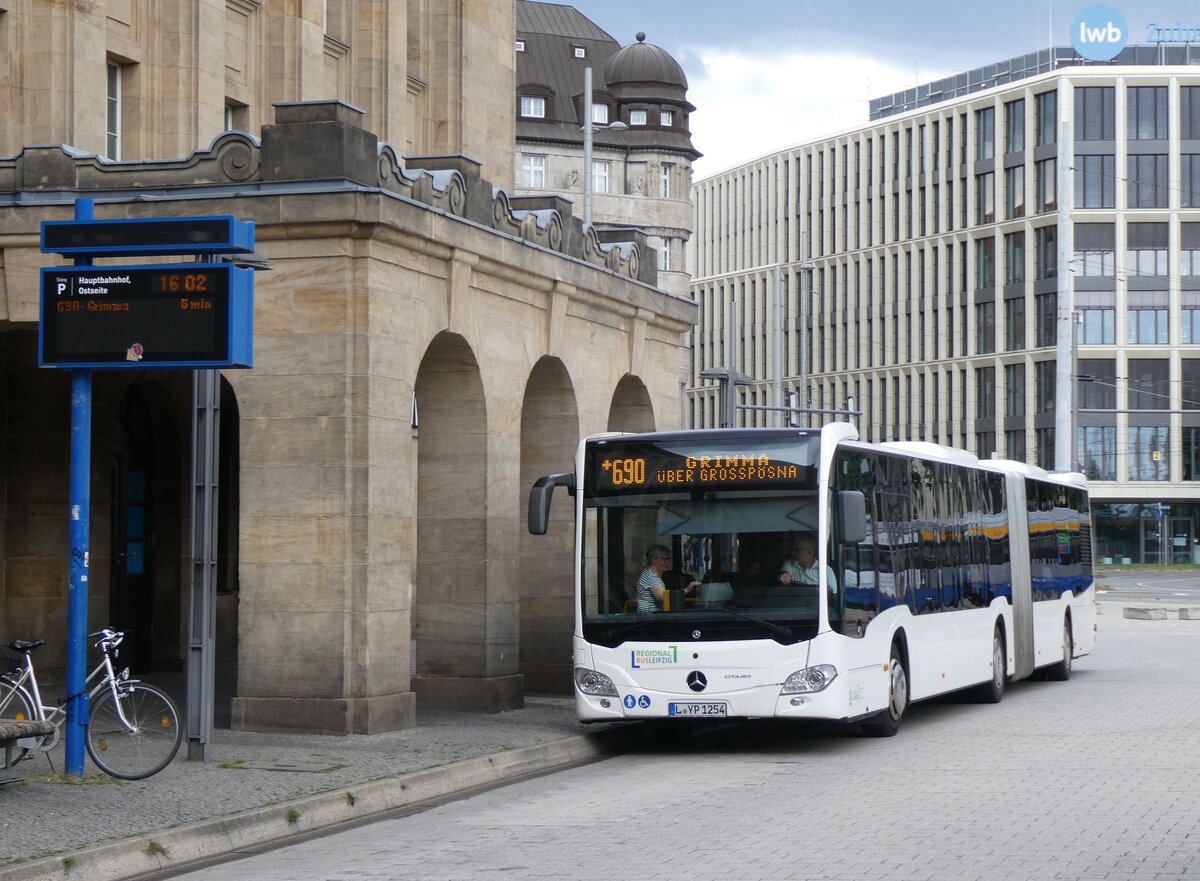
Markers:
<point>133,753</point>
<point>15,706</point>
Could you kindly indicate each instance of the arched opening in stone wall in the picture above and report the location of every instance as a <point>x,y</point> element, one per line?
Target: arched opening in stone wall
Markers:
<point>148,576</point>
<point>630,409</point>
<point>549,437</point>
<point>132,599</point>
<point>449,615</point>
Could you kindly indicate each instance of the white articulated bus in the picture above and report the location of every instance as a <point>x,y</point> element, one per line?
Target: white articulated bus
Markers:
<point>936,572</point>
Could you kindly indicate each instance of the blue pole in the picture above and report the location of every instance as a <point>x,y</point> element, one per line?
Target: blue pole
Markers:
<point>80,507</point>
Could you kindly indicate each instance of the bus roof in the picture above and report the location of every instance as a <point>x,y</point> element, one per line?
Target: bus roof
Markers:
<point>704,435</point>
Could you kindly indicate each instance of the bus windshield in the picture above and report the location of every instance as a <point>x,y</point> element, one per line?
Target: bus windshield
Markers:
<point>688,539</point>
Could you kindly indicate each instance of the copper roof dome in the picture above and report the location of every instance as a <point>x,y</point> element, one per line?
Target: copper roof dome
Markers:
<point>643,62</point>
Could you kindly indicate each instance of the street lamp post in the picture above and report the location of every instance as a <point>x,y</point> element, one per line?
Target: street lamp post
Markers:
<point>588,128</point>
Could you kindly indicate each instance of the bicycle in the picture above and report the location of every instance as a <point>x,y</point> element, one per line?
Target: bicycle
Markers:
<point>133,729</point>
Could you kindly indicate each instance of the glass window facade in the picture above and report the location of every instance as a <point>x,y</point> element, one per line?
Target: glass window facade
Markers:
<point>1046,183</point>
<point>1046,110</point>
<point>1149,388</point>
<point>1147,182</point>
<point>1147,327</point>
<point>1095,114</point>
<point>1014,192</point>
<point>1095,181</point>
<point>985,133</point>
<point>1148,458</point>
<point>1098,326</point>
<point>1014,126</point>
<point>1146,109</point>
<point>1014,324</point>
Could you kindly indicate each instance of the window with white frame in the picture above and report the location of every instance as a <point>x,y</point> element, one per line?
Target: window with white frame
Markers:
<point>520,45</point>
<point>666,118</point>
<point>664,181</point>
<point>533,106</point>
<point>113,124</point>
<point>600,169</point>
<point>533,170</point>
<point>637,117</point>
<point>600,114</point>
<point>664,256</point>
<point>579,51</point>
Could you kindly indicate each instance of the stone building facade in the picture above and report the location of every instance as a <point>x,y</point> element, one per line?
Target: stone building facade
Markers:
<point>426,344</point>
<point>642,150</point>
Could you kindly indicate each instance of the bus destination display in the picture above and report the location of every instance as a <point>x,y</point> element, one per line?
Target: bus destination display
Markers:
<point>182,315</point>
<point>626,468</point>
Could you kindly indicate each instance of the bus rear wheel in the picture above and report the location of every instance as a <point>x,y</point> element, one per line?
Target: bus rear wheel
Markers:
<point>1061,671</point>
<point>992,691</point>
<point>887,723</point>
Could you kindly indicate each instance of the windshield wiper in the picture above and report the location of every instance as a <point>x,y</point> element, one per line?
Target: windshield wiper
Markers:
<point>777,629</point>
<point>613,634</point>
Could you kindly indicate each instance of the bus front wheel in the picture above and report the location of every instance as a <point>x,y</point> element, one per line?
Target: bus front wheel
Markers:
<point>887,723</point>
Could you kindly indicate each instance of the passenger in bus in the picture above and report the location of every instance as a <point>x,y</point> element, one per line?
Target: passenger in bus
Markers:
<point>650,586</point>
<point>801,565</point>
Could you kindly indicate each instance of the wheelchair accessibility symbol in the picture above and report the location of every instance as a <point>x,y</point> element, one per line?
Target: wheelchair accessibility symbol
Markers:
<point>630,701</point>
<point>644,702</point>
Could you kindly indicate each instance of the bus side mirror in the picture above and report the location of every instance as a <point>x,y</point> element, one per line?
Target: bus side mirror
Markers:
<point>852,517</point>
<point>540,496</point>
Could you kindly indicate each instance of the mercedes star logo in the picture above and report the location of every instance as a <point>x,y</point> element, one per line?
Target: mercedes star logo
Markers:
<point>696,681</point>
<point>695,634</point>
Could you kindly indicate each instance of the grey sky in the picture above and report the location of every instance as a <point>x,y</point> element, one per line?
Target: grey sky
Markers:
<point>736,53</point>
<point>954,34</point>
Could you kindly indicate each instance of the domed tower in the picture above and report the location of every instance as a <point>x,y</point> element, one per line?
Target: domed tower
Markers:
<point>650,88</point>
<point>642,155</point>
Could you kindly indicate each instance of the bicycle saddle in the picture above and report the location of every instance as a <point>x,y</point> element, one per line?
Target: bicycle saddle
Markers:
<point>24,646</point>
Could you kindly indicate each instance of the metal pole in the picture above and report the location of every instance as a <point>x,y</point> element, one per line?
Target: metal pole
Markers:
<point>1064,413</point>
<point>202,626</point>
<point>80,510</point>
<point>1076,323</point>
<point>587,147</point>
<point>802,342</point>
<point>775,277</point>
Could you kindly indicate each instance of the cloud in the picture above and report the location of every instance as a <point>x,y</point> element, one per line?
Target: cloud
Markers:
<point>749,106</point>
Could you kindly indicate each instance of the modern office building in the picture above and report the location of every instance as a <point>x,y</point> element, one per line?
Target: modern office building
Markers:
<point>912,268</point>
<point>642,153</point>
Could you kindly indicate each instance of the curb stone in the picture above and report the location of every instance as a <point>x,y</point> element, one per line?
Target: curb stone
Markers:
<point>275,825</point>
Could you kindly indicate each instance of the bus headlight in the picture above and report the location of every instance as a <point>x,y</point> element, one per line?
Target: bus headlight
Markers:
<point>809,679</point>
<point>591,682</point>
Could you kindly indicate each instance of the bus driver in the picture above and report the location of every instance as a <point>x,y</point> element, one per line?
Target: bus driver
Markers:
<point>801,566</point>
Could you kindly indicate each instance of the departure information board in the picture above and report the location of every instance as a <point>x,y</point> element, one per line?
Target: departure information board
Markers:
<point>616,467</point>
<point>191,315</point>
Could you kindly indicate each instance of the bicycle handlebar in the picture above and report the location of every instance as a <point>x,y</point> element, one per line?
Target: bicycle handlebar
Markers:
<point>107,636</point>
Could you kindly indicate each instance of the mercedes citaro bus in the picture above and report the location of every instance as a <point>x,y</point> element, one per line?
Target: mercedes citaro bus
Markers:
<point>936,572</point>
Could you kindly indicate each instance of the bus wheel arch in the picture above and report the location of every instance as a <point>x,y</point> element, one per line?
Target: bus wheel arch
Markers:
<point>1061,671</point>
<point>887,722</point>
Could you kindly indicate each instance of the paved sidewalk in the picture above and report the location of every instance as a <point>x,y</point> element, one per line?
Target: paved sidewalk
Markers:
<point>262,788</point>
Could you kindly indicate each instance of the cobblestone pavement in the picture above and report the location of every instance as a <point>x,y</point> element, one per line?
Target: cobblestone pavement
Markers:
<point>46,816</point>
<point>1095,778</point>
